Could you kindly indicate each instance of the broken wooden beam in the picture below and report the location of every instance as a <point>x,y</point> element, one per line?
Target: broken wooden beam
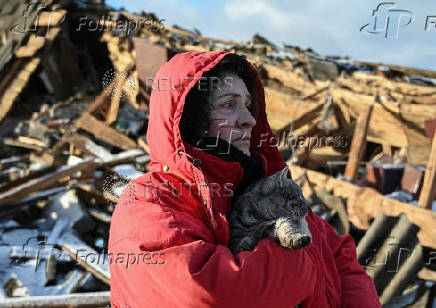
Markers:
<point>122,157</point>
<point>143,144</point>
<point>306,117</point>
<point>11,86</point>
<point>358,144</point>
<point>10,75</point>
<point>428,191</point>
<point>20,144</point>
<point>104,132</point>
<point>94,262</point>
<point>364,203</point>
<point>393,123</point>
<point>17,193</point>
<point>88,146</point>
<point>88,299</point>
<point>100,215</point>
<point>403,69</point>
<point>336,204</point>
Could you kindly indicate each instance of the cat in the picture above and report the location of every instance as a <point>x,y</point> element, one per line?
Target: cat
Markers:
<point>272,207</point>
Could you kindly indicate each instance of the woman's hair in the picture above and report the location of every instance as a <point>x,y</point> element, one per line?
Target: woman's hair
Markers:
<point>194,122</point>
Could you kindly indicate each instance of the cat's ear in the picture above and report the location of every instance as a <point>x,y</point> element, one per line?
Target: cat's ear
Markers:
<point>270,183</point>
<point>283,177</point>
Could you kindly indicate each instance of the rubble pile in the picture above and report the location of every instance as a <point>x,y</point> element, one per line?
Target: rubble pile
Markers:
<point>73,117</point>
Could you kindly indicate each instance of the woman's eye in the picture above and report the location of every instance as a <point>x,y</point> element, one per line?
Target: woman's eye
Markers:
<point>228,105</point>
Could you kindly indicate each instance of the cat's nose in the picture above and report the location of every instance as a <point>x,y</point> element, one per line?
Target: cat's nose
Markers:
<point>304,241</point>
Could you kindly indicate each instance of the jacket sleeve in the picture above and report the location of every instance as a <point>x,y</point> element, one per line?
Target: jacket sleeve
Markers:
<point>357,287</point>
<point>187,269</point>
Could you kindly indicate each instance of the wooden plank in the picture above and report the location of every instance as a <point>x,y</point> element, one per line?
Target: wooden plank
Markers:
<point>305,118</point>
<point>88,146</point>
<point>9,76</point>
<point>392,123</point>
<point>7,101</point>
<point>143,145</point>
<point>358,144</point>
<point>364,203</point>
<point>396,124</point>
<point>33,141</point>
<point>17,193</point>
<point>399,91</point>
<point>34,44</point>
<point>11,87</point>
<point>85,299</point>
<point>104,132</point>
<point>17,143</point>
<point>281,108</point>
<point>403,69</point>
<point>431,100</point>
<point>428,191</point>
<point>387,149</point>
<point>427,274</point>
<point>102,98</point>
<point>17,85</point>
<point>52,18</point>
<point>80,252</point>
<point>25,178</point>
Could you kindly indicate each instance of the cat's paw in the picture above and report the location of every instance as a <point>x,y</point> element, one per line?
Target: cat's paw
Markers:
<point>246,244</point>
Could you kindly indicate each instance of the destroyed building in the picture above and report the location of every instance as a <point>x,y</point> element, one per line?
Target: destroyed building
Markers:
<point>358,137</point>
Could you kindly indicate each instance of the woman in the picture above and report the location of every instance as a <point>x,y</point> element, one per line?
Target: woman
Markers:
<point>209,138</point>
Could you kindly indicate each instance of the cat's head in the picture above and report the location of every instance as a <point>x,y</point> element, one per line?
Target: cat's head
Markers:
<point>283,194</point>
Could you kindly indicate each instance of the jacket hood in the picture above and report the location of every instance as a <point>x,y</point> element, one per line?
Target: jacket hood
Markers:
<point>169,153</point>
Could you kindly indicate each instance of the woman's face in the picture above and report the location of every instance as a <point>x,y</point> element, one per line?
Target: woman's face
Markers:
<point>230,118</point>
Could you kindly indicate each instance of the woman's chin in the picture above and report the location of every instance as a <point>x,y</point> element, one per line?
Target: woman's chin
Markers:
<point>245,150</point>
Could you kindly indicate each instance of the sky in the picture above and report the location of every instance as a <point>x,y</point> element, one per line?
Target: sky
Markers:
<point>330,27</point>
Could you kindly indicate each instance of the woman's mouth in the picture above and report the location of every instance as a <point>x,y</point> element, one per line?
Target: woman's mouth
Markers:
<point>246,139</point>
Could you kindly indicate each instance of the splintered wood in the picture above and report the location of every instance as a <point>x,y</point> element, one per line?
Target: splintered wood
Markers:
<point>428,192</point>
<point>364,203</point>
<point>358,144</point>
<point>104,132</point>
<point>21,191</point>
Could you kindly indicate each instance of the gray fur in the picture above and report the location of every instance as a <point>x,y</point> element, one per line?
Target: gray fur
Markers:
<point>273,207</point>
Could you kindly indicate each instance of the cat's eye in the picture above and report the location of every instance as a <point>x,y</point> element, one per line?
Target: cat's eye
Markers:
<point>277,200</point>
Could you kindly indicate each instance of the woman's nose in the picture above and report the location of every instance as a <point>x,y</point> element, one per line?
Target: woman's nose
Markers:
<point>246,119</point>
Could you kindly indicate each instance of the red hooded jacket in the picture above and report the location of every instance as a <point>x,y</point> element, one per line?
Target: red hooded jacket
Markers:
<point>168,242</point>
